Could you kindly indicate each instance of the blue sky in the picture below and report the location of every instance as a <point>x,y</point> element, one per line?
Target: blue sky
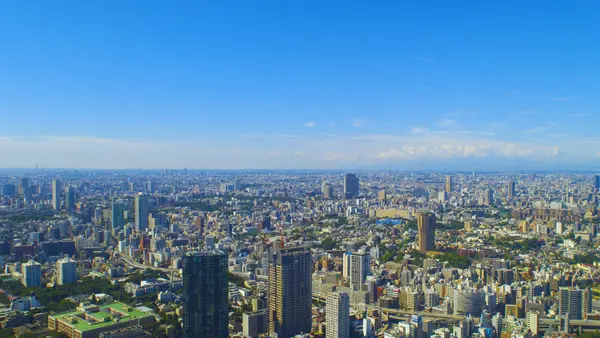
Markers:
<point>299,84</point>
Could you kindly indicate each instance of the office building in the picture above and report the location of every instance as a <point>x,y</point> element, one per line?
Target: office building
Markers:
<point>205,294</point>
<point>66,271</point>
<point>596,183</point>
<point>290,292</point>
<point>381,196</point>
<point>117,215</point>
<point>31,274</point>
<point>142,209</point>
<point>254,323</point>
<point>360,267</point>
<point>9,190</point>
<point>571,302</point>
<point>533,322</point>
<point>426,227</point>
<point>449,184</point>
<point>511,188</point>
<point>150,187</point>
<point>337,315</point>
<point>56,194</point>
<point>351,185</point>
<point>93,321</point>
<point>327,190</point>
<point>70,199</point>
<point>23,185</point>
<point>488,197</point>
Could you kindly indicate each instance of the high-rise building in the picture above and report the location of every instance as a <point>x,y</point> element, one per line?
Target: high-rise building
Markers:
<point>571,302</point>
<point>351,185</point>
<point>533,322</point>
<point>142,209</point>
<point>70,199</point>
<point>360,267</point>
<point>32,274</point>
<point>66,271</point>
<point>596,183</point>
<point>290,292</point>
<point>205,289</point>
<point>150,187</point>
<point>118,215</point>
<point>56,194</point>
<point>511,188</point>
<point>449,184</point>
<point>381,196</point>
<point>488,197</point>
<point>337,315</point>
<point>327,190</point>
<point>23,185</point>
<point>426,228</point>
<point>9,190</point>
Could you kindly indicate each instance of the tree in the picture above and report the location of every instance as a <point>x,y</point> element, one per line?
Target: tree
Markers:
<point>328,244</point>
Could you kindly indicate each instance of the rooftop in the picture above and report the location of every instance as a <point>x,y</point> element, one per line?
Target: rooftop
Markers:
<point>104,316</point>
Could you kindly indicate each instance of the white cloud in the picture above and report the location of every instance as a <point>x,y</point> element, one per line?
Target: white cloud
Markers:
<point>562,98</point>
<point>310,124</point>
<point>556,151</point>
<point>418,130</point>
<point>447,123</point>
<point>292,151</point>
<point>540,128</point>
<point>358,122</point>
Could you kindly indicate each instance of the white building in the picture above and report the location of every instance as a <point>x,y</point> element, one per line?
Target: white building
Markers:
<point>66,271</point>
<point>337,315</point>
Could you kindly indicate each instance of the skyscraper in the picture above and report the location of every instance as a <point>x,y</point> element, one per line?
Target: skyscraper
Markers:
<point>449,184</point>
<point>290,292</point>
<point>327,190</point>
<point>426,225</point>
<point>142,210</point>
<point>205,294</point>
<point>596,183</point>
<point>70,199</point>
<point>32,274</point>
<point>337,315</point>
<point>118,215</point>
<point>381,196</point>
<point>511,188</point>
<point>360,267</point>
<point>23,185</point>
<point>150,187</point>
<point>66,271</point>
<point>56,194</point>
<point>488,197</point>
<point>9,190</point>
<point>351,185</point>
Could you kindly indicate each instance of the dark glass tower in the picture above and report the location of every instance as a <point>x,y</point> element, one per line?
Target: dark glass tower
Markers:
<point>205,284</point>
<point>351,185</point>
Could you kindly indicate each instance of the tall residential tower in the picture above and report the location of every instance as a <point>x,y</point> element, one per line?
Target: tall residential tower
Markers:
<point>290,292</point>
<point>205,294</point>
<point>426,228</point>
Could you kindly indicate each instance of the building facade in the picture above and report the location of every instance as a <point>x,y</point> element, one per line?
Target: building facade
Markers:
<point>206,303</point>
<point>337,315</point>
<point>290,292</point>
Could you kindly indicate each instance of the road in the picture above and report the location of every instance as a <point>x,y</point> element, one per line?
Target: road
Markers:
<point>397,312</point>
<point>135,264</point>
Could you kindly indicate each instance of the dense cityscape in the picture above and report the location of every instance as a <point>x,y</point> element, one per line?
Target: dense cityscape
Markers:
<point>186,253</point>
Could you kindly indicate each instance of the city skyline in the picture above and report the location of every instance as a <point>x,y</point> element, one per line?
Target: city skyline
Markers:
<point>308,85</point>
